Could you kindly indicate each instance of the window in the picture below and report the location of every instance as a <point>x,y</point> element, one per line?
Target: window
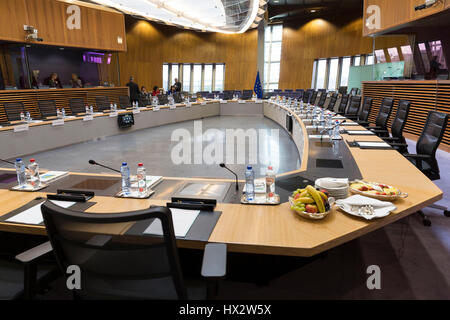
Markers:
<point>424,55</point>
<point>187,77</point>
<point>208,75</point>
<point>407,53</point>
<point>393,54</point>
<point>272,56</point>
<point>220,73</point>
<point>333,74</point>
<point>166,76</point>
<point>345,71</point>
<point>357,61</point>
<point>437,51</point>
<point>174,73</point>
<point>321,71</point>
<point>369,59</point>
<point>197,79</point>
<point>380,56</point>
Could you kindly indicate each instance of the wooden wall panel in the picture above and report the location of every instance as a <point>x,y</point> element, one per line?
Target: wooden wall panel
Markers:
<point>424,96</point>
<point>400,12</point>
<point>100,27</point>
<point>30,98</point>
<point>150,45</point>
<point>320,38</point>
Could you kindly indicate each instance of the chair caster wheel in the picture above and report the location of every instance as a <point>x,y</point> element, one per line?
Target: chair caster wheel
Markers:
<point>426,222</point>
<point>447,213</point>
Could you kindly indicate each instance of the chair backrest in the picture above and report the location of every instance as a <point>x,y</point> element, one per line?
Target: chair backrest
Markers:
<point>384,113</point>
<point>343,104</point>
<point>114,264</point>
<point>102,103</point>
<point>332,102</point>
<point>354,106</point>
<point>177,97</point>
<point>47,108</point>
<point>288,90</point>
<point>400,119</point>
<point>13,110</point>
<point>144,101</point>
<point>322,99</point>
<point>77,105</point>
<point>313,97</point>
<point>307,96</point>
<point>247,94</point>
<point>365,109</point>
<point>162,99</point>
<point>432,133</point>
<point>124,102</point>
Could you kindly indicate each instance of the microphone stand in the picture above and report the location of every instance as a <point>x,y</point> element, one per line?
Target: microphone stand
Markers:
<point>101,165</point>
<point>235,175</point>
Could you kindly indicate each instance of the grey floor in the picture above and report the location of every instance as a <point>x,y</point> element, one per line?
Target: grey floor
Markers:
<point>414,260</point>
<point>153,147</point>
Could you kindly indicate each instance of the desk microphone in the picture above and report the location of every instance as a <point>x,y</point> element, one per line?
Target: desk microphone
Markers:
<point>332,127</point>
<point>224,166</point>
<point>12,163</point>
<point>101,165</point>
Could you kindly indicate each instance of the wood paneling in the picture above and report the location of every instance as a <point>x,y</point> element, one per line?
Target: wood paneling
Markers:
<point>100,27</point>
<point>150,45</point>
<point>400,12</point>
<point>320,38</point>
<point>424,96</point>
<point>30,98</point>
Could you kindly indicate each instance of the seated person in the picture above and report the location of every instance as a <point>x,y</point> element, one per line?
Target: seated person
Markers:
<point>76,81</point>
<point>155,91</point>
<point>144,93</point>
<point>54,82</point>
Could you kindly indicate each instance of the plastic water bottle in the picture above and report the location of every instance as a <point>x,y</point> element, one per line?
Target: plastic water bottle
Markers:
<point>22,117</point>
<point>33,171</point>
<point>91,110</point>
<point>58,113</point>
<point>28,116</point>
<point>63,113</point>
<point>270,184</point>
<point>250,183</point>
<point>126,183</point>
<point>141,179</point>
<point>21,172</point>
<point>336,130</point>
<point>111,107</point>
<point>87,110</point>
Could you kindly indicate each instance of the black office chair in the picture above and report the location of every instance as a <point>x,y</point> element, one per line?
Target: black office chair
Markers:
<point>332,102</point>
<point>126,266</point>
<point>363,115</point>
<point>177,97</point>
<point>354,107</point>
<point>383,116</point>
<point>322,99</point>
<point>398,124</point>
<point>124,102</point>
<point>26,275</point>
<point>247,94</point>
<point>144,101</point>
<point>313,98</point>
<point>77,105</point>
<point>343,104</point>
<point>47,108</point>
<point>102,103</point>
<point>13,110</point>
<point>425,158</point>
<point>162,99</point>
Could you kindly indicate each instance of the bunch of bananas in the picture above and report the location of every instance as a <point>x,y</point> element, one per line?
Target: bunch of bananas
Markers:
<point>310,200</point>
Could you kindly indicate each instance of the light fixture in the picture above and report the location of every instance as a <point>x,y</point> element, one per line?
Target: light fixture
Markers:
<point>224,16</point>
<point>313,10</point>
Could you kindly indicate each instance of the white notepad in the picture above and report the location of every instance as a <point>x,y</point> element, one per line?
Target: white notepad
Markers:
<point>374,144</point>
<point>182,222</point>
<point>347,124</point>
<point>360,132</point>
<point>33,215</point>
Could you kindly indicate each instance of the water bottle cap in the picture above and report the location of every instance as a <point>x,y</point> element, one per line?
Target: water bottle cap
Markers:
<point>249,167</point>
<point>32,160</point>
<point>270,167</point>
<point>124,164</point>
<point>140,164</point>
<point>18,159</point>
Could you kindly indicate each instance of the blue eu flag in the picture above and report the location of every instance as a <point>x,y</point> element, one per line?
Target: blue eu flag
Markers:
<point>257,88</point>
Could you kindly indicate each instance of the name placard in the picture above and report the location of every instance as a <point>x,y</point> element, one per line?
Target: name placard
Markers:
<point>188,104</point>
<point>223,101</point>
<point>156,108</point>
<point>136,111</point>
<point>241,101</point>
<point>203,103</point>
<point>113,114</point>
<point>88,118</point>
<point>58,122</point>
<point>171,107</point>
<point>22,127</point>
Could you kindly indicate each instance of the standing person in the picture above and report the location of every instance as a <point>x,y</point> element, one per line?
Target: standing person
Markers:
<point>134,90</point>
<point>75,81</point>
<point>434,67</point>
<point>177,85</point>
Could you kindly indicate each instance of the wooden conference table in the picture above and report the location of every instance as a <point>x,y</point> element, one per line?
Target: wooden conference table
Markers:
<point>274,230</point>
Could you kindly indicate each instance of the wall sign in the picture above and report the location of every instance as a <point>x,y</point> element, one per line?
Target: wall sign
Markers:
<point>74,19</point>
<point>373,20</point>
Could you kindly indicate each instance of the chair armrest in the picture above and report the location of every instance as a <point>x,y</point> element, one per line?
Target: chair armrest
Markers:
<point>35,253</point>
<point>214,265</point>
<point>417,156</point>
<point>351,116</point>
<point>363,123</point>
<point>379,131</point>
<point>390,138</point>
<point>396,144</point>
<point>375,128</point>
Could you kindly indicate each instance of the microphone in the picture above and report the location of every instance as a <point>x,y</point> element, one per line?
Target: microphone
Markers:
<point>237,183</point>
<point>334,126</point>
<point>12,163</point>
<point>94,163</point>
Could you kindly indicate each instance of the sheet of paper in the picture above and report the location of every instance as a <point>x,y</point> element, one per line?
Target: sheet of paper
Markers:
<point>182,222</point>
<point>360,132</point>
<point>33,215</point>
<point>374,144</point>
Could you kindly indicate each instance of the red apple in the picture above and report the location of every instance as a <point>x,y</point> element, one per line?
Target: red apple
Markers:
<point>311,208</point>
<point>297,196</point>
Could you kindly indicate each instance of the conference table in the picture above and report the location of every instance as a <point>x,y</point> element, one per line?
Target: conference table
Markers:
<point>273,230</point>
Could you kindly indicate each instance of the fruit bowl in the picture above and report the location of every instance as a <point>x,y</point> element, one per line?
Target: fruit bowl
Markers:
<point>311,203</point>
<point>312,216</point>
<point>379,191</point>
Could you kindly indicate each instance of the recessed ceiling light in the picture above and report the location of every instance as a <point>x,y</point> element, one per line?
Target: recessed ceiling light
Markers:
<point>313,10</point>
